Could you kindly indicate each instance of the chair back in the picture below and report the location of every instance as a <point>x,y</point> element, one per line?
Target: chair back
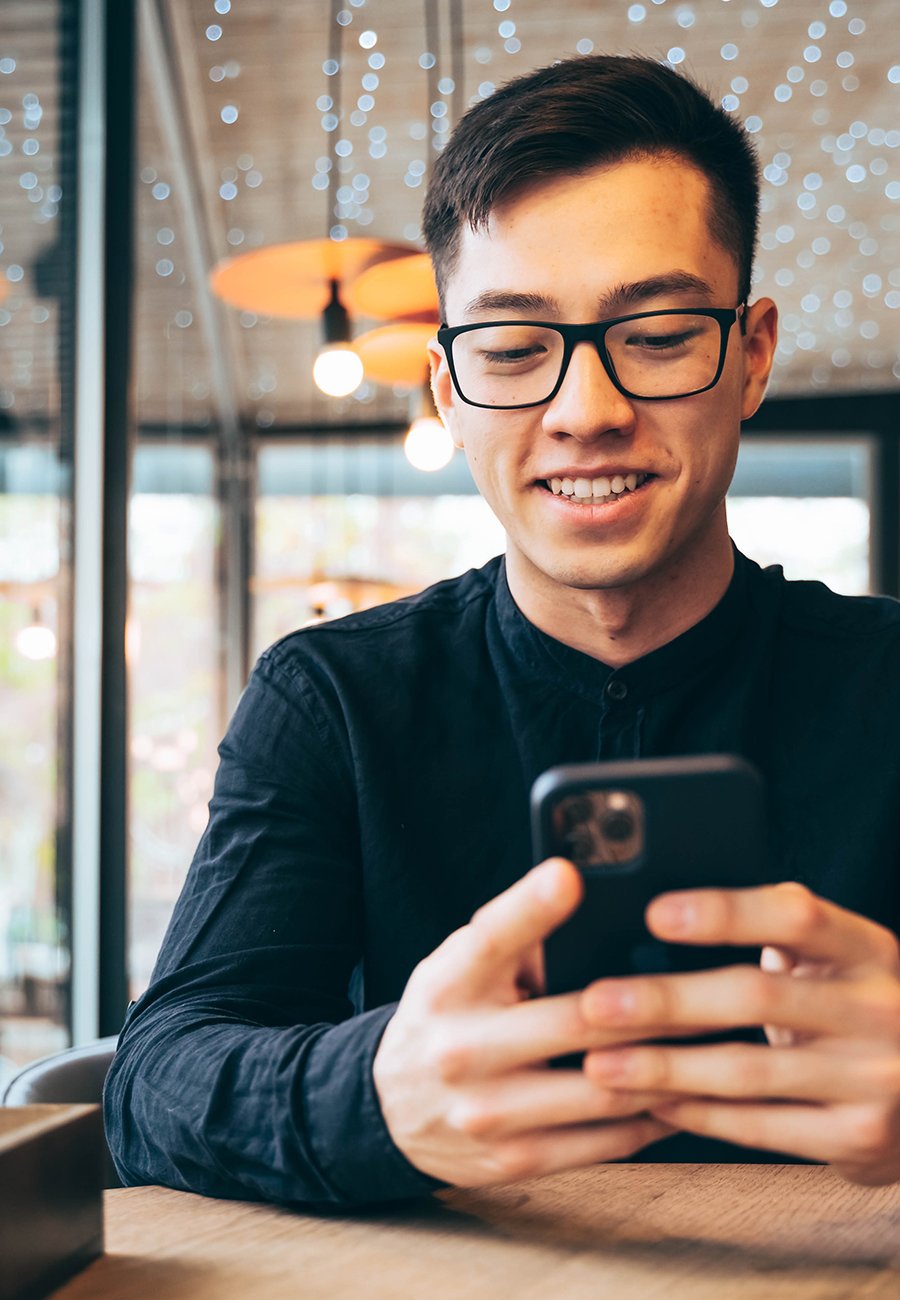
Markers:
<point>73,1076</point>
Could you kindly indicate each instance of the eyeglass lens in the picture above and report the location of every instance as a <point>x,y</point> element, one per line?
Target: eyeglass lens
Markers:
<point>517,365</point>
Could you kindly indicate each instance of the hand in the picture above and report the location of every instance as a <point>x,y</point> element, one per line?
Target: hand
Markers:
<point>827,1087</point>
<point>461,1071</point>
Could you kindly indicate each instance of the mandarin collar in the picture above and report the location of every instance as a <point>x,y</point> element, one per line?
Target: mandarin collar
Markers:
<point>545,659</point>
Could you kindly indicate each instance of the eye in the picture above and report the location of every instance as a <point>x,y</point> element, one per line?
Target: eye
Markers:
<point>662,342</point>
<point>513,354</point>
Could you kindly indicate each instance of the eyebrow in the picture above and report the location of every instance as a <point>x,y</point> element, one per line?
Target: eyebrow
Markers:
<point>493,300</point>
<point>617,300</point>
<point>656,286</point>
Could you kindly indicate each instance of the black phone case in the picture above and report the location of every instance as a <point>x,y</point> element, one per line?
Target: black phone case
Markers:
<point>704,825</point>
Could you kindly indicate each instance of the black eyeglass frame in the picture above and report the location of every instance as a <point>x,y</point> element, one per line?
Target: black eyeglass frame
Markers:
<point>594,333</point>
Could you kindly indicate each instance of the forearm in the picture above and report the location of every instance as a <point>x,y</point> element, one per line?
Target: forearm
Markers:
<point>202,1100</point>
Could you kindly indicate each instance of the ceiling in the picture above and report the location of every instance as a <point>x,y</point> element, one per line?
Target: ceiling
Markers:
<point>29,207</point>
<point>817,81</point>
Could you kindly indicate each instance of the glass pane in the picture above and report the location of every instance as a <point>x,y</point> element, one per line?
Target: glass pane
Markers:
<point>171,648</point>
<point>804,504</point>
<point>325,548</point>
<point>36,120</point>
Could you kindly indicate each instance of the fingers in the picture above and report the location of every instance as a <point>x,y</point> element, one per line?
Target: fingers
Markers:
<point>775,959</point>
<point>746,1072</point>
<point>479,1043</point>
<point>851,1135</point>
<point>503,932</point>
<point>788,916</point>
<point>538,1099</point>
<point>747,996</point>
<point>531,1155</point>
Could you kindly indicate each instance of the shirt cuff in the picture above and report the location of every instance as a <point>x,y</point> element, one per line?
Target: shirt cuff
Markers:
<point>347,1133</point>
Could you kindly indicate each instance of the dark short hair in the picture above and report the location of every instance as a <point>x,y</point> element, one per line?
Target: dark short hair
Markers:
<point>579,114</point>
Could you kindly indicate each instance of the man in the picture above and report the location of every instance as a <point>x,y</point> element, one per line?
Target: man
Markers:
<point>372,793</point>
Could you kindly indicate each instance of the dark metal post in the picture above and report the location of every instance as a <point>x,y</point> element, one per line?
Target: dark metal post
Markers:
<point>121,114</point>
<point>63,287</point>
<point>885,526</point>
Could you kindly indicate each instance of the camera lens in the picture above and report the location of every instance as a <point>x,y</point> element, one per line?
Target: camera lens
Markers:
<point>618,825</point>
<point>577,811</point>
<point>579,845</point>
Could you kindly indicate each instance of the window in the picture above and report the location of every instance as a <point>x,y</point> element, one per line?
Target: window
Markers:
<point>35,539</point>
<point>172,653</point>
<point>342,525</point>
<point>805,504</point>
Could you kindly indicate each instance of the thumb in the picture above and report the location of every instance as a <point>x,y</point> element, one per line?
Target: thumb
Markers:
<point>501,934</point>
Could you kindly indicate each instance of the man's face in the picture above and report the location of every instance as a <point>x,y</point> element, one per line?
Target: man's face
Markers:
<point>585,248</point>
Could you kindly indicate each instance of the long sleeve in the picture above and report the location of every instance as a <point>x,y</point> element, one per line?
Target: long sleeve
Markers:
<point>242,1071</point>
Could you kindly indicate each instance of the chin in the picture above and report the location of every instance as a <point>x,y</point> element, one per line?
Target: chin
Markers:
<point>596,573</point>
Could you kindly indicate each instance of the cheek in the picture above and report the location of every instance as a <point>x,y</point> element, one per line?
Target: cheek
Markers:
<point>698,442</point>
<point>498,448</point>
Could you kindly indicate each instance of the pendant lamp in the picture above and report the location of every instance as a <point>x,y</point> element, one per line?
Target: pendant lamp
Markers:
<point>400,289</point>
<point>428,445</point>
<point>306,279</point>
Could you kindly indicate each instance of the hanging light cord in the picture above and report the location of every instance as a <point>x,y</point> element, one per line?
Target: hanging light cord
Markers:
<point>335,49</point>
<point>433,46</point>
<point>457,64</point>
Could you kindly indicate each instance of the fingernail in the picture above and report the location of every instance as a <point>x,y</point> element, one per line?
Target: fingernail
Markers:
<point>609,1002</point>
<point>675,915</point>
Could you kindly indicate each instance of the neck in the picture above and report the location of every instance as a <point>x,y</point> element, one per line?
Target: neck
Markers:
<point>620,624</point>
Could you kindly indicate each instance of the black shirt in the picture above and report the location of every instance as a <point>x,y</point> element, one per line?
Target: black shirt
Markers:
<point>372,794</point>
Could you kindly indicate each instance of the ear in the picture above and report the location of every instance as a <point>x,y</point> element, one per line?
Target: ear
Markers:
<point>759,340</point>
<point>444,394</point>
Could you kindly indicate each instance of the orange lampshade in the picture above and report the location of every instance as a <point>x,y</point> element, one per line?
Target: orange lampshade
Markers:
<point>392,290</point>
<point>395,354</point>
<point>293,280</point>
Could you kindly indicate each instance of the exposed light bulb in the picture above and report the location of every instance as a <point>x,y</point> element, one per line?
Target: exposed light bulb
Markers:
<point>36,642</point>
<point>338,370</point>
<point>428,445</point>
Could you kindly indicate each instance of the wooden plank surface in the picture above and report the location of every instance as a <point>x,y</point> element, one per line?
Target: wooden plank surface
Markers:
<point>22,1123</point>
<point>51,1208</point>
<point>658,1232</point>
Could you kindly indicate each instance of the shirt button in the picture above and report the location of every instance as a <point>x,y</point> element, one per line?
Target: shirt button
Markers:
<point>616,689</point>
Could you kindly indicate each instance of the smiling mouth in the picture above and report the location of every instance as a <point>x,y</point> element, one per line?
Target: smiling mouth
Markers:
<point>597,491</point>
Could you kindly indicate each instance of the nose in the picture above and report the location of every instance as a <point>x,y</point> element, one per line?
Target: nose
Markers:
<point>588,403</point>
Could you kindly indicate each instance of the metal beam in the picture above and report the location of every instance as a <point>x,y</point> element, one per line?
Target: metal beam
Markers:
<point>120,92</point>
<point>88,528</point>
<point>158,51</point>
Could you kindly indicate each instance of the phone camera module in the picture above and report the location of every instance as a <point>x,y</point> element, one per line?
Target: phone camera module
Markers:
<point>579,844</point>
<point>601,829</point>
<point>618,825</point>
<point>576,811</point>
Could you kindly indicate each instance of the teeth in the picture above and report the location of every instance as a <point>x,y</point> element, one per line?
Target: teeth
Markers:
<point>585,490</point>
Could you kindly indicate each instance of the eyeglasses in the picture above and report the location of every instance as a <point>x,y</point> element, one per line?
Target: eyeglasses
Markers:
<point>654,356</point>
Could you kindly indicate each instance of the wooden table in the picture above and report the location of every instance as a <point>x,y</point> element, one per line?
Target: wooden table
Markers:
<point>707,1232</point>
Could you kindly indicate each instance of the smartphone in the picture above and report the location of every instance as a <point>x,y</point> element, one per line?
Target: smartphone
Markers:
<point>635,830</point>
